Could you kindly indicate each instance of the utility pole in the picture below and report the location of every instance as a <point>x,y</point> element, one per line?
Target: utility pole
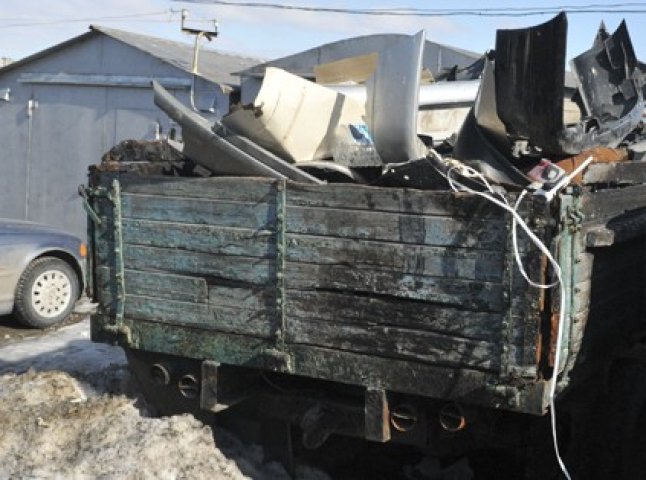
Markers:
<point>199,34</point>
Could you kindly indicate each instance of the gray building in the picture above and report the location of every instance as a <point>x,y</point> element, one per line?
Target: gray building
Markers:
<point>63,107</point>
<point>437,57</point>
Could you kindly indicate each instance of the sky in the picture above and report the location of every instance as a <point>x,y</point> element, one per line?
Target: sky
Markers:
<point>28,26</point>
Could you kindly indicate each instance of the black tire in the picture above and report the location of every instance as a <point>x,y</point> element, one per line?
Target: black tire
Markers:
<point>47,278</point>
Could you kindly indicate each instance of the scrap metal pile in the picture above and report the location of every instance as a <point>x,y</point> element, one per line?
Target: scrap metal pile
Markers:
<point>523,122</point>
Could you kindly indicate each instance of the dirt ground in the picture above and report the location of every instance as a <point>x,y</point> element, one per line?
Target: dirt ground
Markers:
<point>70,410</point>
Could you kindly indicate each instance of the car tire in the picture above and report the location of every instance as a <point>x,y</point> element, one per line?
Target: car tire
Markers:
<point>46,292</point>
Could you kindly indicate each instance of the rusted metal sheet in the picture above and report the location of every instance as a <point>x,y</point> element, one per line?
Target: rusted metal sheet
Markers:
<point>206,147</point>
<point>600,155</point>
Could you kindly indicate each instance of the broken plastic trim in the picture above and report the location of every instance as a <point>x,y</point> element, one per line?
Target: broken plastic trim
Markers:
<point>393,101</point>
<point>529,78</point>
<point>215,153</point>
<point>530,103</point>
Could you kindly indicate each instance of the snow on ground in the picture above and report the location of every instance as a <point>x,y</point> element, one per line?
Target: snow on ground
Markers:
<point>68,411</point>
<point>68,349</point>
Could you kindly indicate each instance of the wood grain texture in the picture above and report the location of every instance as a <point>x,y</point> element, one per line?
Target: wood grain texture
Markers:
<point>463,263</point>
<point>395,200</point>
<point>393,342</point>
<point>468,294</point>
<point>401,228</point>
<point>254,322</point>
<point>201,211</point>
<point>351,309</point>
<point>252,190</point>
<point>377,276</point>
<point>200,238</point>
<point>220,269</point>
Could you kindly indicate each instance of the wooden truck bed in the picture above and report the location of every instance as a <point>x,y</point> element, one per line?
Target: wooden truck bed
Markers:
<point>399,290</point>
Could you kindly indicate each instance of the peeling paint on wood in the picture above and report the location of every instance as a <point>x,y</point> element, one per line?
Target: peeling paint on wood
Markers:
<point>374,279</point>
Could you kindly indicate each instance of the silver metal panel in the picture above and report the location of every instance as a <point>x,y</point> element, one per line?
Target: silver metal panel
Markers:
<point>436,56</point>
<point>207,148</point>
<point>435,95</point>
<point>393,99</point>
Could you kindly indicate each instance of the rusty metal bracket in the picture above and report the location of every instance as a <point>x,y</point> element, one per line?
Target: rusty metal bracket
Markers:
<point>118,251</point>
<point>85,193</point>
<point>95,223</point>
<point>377,415</point>
<point>573,218</point>
<point>508,318</point>
<point>122,331</point>
<point>281,246</point>
<point>277,360</point>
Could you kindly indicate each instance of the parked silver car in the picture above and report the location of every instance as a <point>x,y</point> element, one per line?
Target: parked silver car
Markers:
<point>41,272</point>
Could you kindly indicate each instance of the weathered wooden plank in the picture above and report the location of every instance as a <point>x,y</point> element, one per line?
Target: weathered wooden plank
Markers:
<point>616,173</point>
<point>218,269</point>
<point>604,204</point>
<point>523,318</point>
<point>436,261</point>
<point>467,385</point>
<point>408,229</point>
<point>188,341</point>
<point>522,336</point>
<point>255,216</point>
<point>581,296</point>
<point>361,197</point>
<point>396,375</point>
<point>258,323</point>
<point>256,298</point>
<point>392,342</point>
<point>235,189</point>
<point>200,238</point>
<point>583,264</point>
<point>618,230</point>
<point>401,313</point>
<point>154,284</point>
<point>464,293</point>
<point>523,355</point>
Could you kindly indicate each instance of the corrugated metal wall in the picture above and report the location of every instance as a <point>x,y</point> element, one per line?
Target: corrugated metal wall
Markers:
<point>60,119</point>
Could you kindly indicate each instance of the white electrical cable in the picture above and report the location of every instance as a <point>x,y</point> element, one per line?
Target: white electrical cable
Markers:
<point>468,172</point>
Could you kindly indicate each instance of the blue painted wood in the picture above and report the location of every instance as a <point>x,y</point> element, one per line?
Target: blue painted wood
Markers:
<point>422,282</point>
<point>200,238</point>
<point>233,189</point>
<point>393,342</point>
<point>395,200</point>
<point>202,211</point>
<point>472,295</point>
<point>216,268</point>
<point>189,341</point>
<point>401,228</point>
<point>256,298</point>
<point>348,308</point>
<point>155,284</point>
<point>257,323</point>
<point>459,263</point>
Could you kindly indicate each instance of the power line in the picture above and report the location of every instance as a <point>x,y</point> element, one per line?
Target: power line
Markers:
<point>624,8</point>
<point>136,17</point>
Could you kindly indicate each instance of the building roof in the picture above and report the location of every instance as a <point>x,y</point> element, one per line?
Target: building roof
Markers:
<point>213,65</point>
<point>303,63</point>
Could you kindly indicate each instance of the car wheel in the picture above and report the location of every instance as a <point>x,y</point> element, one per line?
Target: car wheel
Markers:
<point>46,292</point>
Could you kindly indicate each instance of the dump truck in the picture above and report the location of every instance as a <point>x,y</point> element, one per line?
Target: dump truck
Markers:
<point>388,312</point>
<point>401,310</point>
